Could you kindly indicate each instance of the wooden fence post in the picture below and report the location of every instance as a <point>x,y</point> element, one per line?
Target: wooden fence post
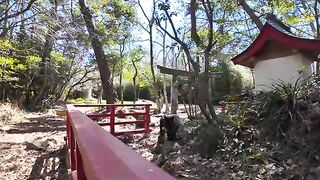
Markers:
<point>147,119</point>
<point>112,119</point>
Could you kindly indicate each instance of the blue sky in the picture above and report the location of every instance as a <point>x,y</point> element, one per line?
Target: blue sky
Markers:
<point>142,35</point>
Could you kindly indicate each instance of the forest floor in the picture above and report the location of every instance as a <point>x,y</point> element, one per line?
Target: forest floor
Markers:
<point>31,145</point>
<point>243,154</point>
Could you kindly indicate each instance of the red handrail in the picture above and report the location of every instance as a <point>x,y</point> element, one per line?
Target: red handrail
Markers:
<point>111,114</point>
<point>96,154</point>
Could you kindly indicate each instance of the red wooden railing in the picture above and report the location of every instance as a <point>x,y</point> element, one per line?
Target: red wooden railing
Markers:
<point>113,112</point>
<point>95,154</point>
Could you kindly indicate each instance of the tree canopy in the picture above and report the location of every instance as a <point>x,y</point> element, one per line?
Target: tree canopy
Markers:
<point>48,49</point>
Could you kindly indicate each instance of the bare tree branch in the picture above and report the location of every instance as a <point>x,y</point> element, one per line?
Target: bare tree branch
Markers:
<point>19,12</point>
<point>251,13</point>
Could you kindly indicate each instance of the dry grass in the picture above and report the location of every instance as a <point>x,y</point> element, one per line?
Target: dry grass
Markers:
<point>10,113</point>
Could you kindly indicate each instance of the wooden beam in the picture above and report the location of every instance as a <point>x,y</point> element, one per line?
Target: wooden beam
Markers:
<point>176,72</point>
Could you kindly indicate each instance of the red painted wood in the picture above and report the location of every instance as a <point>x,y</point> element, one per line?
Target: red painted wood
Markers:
<point>113,114</point>
<point>223,107</point>
<point>130,132</point>
<point>105,105</point>
<point>122,123</point>
<point>147,119</point>
<point>79,165</point>
<point>96,116</point>
<point>129,122</point>
<point>112,119</point>
<point>74,175</point>
<point>270,33</point>
<point>105,157</point>
<point>108,115</point>
<point>72,150</point>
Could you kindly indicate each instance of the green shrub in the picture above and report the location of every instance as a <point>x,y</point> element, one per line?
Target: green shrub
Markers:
<point>78,94</point>
<point>145,93</point>
<point>230,82</point>
<point>80,100</point>
<point>128,92</point>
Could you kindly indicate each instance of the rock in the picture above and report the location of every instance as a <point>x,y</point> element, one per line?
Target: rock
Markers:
<point>168,147</point>
<point>37,145</point>
<point>6,128</point>
<point>271,166</point>
<point>156,149</point>
<point>315,172</point>
<point>154,121</point>
<point>11,167</point>
<point>314,110</point>
<point>127,138</point>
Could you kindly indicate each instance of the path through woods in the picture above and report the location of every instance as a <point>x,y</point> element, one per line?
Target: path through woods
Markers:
<point>33,148</point>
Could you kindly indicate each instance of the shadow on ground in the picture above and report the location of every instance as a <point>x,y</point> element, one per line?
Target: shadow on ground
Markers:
<point>38,124</point>
<point>51,165</point>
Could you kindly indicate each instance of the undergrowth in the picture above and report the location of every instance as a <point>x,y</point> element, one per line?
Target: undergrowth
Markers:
<point>10,113</point>
<point>288,116</point>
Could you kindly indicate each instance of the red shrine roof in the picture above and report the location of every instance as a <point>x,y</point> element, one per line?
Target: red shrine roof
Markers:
<point>276,32</point>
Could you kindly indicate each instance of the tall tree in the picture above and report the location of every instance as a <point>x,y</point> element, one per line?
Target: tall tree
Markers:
<point>149,30</point>
<point>103,64</point>
<point>204,44</point>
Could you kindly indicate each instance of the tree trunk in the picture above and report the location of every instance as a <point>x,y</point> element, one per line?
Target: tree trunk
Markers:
<point>201,93</point>
<point>42,94</point>
<point>206,85</point>
<point>134,81</point>
<point>152,67</point>
<point>121,88</point>
<point>45,55</point>
<point>100,96</point>
<point>5,22</point>
<point>316,15</point>
<point>4,94</point>
<point>68,94</point>
<point>252,15</point>
<point>121,70</point>
<point>102,62</point>
<point>174,95</point>
<point>164,56</point>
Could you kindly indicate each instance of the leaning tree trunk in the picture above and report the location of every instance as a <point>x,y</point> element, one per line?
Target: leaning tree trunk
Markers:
<point>251,13</point>
<point>102,62</point>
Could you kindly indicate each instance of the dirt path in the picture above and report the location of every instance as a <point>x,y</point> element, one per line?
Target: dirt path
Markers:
<point>33,148</point>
